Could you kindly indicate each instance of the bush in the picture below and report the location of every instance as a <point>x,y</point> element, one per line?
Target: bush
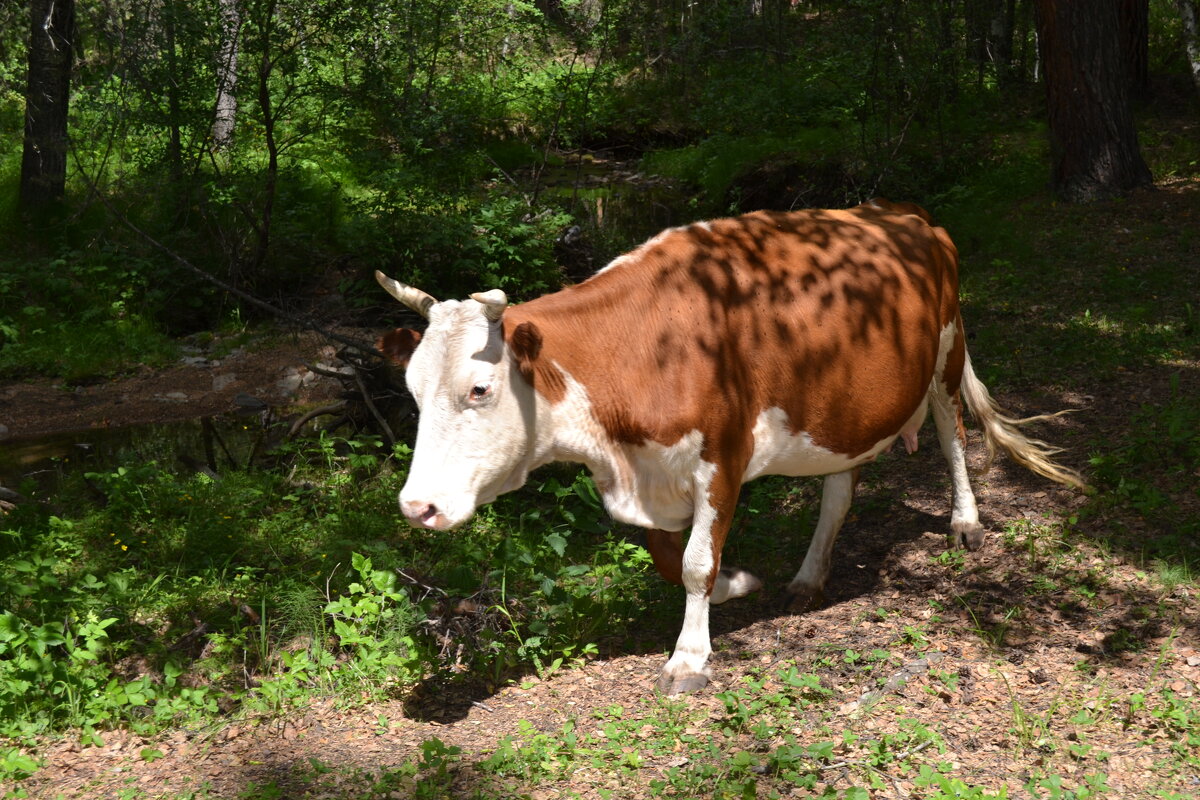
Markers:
<point>80,315</point>
<point>451,247</point>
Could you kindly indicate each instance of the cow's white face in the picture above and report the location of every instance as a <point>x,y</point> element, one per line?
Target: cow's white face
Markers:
<point>475,430</point>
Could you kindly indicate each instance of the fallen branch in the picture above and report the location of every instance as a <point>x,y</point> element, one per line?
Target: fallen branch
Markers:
<point>313,414</point>
<point>366,396</point>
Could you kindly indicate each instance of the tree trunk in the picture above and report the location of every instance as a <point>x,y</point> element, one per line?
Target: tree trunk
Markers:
<point>44,158</point>
<point>1191,36</point>
<point>226,112</point>
<point>171,88</point>
<point>1093,143</point>
<point>266,66</point>
<point>1134,27</point>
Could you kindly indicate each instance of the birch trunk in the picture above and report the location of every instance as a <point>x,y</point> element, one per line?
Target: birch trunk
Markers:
<point>1190,14</point>
<point>226,112</point>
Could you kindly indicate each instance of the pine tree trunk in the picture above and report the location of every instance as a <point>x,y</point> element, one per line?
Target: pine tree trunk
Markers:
<point>1093,143</point>
<point>1134,16</point>
<point>44,158</point>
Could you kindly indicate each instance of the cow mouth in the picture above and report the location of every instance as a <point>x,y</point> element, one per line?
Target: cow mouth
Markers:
<point>446,513</point>
<point>432,519</point>
<point>431,516</point>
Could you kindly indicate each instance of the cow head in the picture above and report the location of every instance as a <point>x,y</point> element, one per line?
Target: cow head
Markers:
<point>475,432</point>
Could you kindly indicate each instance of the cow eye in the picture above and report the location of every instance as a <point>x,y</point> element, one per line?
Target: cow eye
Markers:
<point>480,391</point>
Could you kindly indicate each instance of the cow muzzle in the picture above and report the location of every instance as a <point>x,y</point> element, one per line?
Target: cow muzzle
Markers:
<point>422,514</point>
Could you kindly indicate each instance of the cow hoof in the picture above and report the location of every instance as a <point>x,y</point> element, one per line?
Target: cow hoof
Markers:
<point>686,683</point>
<point>800,599</point>
<point>967,534</point>
<point>733,582</point>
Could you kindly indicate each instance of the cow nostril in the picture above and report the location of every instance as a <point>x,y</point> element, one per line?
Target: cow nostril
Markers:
<point>419,512</point>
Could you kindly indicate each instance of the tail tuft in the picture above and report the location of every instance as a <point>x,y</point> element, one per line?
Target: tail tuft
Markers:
<point>1003,431</point>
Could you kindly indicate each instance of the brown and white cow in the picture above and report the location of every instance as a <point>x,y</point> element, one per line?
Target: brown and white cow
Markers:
<point>796,343</point>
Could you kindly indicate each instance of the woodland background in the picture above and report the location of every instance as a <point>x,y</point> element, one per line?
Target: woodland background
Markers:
<point>232,610</point>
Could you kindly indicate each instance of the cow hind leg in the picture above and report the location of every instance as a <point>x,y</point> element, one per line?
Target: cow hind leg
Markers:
<point>732,583</point>
<point>807,589</point>
<point>666,549</point>
<point>965,529</point>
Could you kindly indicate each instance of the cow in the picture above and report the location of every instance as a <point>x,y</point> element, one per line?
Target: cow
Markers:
<point>797,343</point>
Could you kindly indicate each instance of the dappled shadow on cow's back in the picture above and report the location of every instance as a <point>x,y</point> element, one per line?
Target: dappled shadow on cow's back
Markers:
<point>786,310</point>
<point>765,310</point>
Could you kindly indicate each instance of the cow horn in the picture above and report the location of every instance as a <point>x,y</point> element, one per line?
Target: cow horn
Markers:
<point>494,303</point>
<point>414,298</point>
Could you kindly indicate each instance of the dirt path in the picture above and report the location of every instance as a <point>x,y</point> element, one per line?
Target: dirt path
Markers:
<point>209,379</point>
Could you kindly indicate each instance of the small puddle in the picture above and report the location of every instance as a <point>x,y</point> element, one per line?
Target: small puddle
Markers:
<point>195,444</point>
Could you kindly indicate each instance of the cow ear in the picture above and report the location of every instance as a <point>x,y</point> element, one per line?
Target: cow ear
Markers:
<point>398,345</point>
<point>526,346</point>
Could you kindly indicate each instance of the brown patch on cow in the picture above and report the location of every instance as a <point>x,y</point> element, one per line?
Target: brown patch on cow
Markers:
<point>398,345</point>
<point>901,208</point>
<point>953,372</point>
<point>955,359</point>
<point>724,490</point>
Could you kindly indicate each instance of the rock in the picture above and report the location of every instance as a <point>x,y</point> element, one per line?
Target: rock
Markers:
<point>331,367</point>
<point>294,378</point>
<point>245,402</point>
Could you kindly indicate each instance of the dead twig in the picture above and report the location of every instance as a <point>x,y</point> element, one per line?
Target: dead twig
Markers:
<point>313,414</point>
<point>366,396</point>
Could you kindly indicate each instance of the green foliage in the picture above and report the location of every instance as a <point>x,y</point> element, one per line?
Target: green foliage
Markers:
<point>759,712</point>
<point>361,146</point>
<point>79,316</point>
<point>56,635</point>
<point>557,577</point>
<point>277,585</point>
<point>375,622</point>
<point>1152,466</point>
<point>1053,787</point>
<point>940,787</point>
<point>714,163</point>
<point>452,246</point>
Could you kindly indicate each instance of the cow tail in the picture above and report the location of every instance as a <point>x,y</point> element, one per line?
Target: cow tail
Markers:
<point>1003,431</point>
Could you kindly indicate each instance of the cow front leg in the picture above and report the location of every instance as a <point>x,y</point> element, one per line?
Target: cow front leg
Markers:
<point>687,669</point>
<point>666,549</point>
<point>807,589</point>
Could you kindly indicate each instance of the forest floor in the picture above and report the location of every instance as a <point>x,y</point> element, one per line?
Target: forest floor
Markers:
<point>1029,659</point>
<point>210,378</point>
